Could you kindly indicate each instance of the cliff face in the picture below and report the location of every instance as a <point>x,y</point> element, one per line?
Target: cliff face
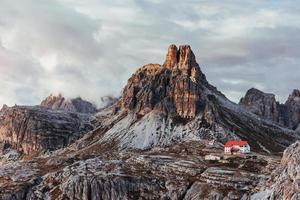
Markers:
<point>175,87</point>
<point>287,182</point>
<point>266,106</point>
<point>32,129</point>
<point>71,105</point>
<point>293,109</point>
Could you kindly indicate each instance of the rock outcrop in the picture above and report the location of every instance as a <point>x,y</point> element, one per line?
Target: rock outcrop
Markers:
<point>71,105</point>
<point>33,129</point>
<point>266,106</point>
<point>293,109</point>
<point>285,180</point>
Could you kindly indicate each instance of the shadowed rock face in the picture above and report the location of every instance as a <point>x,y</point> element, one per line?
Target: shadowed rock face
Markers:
<point>71,105</point>
<point>32,129</point>
<point>266,106</point>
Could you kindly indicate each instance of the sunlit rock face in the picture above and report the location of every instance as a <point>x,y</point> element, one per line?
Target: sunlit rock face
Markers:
<point>174,87</point>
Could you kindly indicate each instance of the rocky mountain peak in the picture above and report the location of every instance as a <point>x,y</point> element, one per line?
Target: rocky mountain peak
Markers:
<point>173,87</point>
<point>182,59</point>
<point>54,101</point>
<point>72,105</point>
<point>295,96</point>
<point>257,91</point>
<point>171,57</point>
<point>265,105</point>
<point>259,102</point>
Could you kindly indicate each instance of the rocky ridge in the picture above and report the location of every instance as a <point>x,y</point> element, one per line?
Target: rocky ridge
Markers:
<point>72,105</point>
<point>266,106</point>
<point>34,129</point>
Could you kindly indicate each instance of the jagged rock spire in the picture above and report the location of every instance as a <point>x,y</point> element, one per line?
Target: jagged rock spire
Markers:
<point>182,59</point>
<point>176,92</point>
<point>171,57</point>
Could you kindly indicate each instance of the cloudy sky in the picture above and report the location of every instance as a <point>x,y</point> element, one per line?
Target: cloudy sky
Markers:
<point>90,48</point>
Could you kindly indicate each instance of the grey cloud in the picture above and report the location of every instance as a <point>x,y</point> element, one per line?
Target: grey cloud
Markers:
<point>90,48</point>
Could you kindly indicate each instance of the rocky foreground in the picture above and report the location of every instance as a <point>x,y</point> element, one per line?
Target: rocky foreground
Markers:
<point>175,172</point>
<point>151,143</point>
<point>284,181</point>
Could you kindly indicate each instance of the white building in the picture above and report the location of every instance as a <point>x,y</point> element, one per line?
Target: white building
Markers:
<point>236,146</point>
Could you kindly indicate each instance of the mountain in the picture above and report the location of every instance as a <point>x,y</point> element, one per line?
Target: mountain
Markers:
<point>151,143</point>
<point>162,104</point>
<point>266,106</point>
<point>72,105</point>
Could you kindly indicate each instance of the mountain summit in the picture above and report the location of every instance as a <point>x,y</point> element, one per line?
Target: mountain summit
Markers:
<point>162,104</point>
<point>172,87</point>
<point>266,106</point>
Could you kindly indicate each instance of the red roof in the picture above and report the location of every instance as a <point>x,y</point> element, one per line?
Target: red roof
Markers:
<point>231,143</point>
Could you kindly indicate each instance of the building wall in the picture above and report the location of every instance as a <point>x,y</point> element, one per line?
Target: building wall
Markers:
<point>242,149</point>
